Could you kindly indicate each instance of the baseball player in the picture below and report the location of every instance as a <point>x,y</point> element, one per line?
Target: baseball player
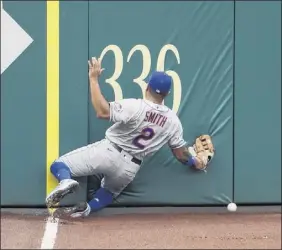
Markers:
<point>140,128</point>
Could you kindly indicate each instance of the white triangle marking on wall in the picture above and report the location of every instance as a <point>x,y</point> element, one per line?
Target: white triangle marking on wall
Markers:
<point>14,40</point>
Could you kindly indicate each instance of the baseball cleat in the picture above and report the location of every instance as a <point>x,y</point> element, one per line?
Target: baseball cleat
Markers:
<point>82,209</point>
<point>65,187</point>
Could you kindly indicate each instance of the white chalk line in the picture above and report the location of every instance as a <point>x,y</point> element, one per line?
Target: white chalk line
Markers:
<point>50,233</point>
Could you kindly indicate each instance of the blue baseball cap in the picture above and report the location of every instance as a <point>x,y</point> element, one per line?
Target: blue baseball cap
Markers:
<point>160,82</point>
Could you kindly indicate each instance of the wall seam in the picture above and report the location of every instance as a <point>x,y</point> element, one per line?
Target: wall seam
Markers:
<point>233,105</point>
<point>88,52</point>
<point>88,99</point>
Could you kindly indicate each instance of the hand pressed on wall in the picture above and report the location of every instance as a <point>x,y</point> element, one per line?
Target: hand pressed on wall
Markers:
<point>95,69</point>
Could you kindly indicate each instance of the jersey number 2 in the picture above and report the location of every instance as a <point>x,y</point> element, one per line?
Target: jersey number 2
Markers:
<point>146,134</point>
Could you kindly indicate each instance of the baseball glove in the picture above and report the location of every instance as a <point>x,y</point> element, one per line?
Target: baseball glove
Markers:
<point>204,150</point>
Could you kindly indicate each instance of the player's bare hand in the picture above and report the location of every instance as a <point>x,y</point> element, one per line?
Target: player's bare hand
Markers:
<point>95,69</point>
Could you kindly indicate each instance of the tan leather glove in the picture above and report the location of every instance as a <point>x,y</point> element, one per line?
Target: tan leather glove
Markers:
<point>204,150</point>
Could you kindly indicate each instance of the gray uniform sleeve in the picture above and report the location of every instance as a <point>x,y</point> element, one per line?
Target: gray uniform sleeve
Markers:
<point>123,110</point>
<point>177,141</point>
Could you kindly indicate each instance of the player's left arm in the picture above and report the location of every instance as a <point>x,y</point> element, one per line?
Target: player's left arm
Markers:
<point>100,104</point>
<point>116,111</point>
<point>124,110</point>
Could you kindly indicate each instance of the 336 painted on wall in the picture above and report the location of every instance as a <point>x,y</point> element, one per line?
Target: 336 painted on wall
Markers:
<point>146,67</point>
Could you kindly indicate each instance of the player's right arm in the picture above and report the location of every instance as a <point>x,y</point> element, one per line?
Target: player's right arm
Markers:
<point>183,153</point>
<point>187,156</point>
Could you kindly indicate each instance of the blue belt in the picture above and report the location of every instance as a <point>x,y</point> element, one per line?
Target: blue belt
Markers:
<point>135,160</point>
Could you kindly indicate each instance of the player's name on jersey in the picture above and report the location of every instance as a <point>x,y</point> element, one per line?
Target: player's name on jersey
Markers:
<point>155,118</point>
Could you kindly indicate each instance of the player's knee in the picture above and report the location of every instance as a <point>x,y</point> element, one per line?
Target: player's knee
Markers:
<point>60,170</point>
<point>57,166</point>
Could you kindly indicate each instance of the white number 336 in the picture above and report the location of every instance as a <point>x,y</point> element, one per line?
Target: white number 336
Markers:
<point>146,60</point>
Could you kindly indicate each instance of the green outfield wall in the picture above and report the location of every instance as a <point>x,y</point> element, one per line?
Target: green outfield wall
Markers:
<point>225,58</point>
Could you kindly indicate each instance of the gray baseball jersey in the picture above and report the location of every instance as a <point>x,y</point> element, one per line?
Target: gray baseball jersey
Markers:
<point>142,127</point>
